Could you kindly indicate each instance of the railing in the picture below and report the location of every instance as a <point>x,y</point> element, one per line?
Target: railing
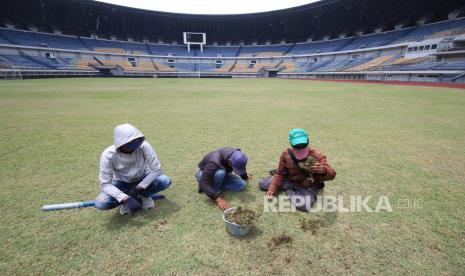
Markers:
<point>455,49</point>
<point>200,74</point>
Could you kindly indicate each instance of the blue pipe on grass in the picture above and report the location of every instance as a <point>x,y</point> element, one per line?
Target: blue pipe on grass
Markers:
<point>81,204</point>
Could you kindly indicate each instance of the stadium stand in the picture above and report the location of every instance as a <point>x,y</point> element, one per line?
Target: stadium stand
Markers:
<point>21,62</point>
<point>333,65</point>
<point>85,64</point>
<point>117,47</point>
<point>162,67</point>
<point>370,64</point>
<point>215,51</point>
<point>237,51</point>
<point>264,51</point>
<point>244,68</point>
<point>430,30</point>
<point>319,47</point>
<point>185,67</point>
<point>142,66</point>
<point>401,62</point>
<point>374,40</point>
<point>205,67</point>
<point>225,68</point>
<point>426,65</point>
<point>288,67</point>
<point>341,64</point>
<point>121,63</point>
<point>165,50</point>
<point>452,65</point>
<point>28,38</point>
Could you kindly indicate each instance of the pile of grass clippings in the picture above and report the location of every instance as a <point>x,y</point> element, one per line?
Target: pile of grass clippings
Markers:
<point>311,225</point>
<point>284,238</point>
<point>305,166</point>
<point>241,216</point>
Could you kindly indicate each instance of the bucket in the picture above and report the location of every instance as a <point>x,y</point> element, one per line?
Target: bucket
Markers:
<point>233,228</point>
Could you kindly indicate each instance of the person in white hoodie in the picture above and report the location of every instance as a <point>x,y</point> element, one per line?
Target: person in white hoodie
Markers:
<point>130,173</point>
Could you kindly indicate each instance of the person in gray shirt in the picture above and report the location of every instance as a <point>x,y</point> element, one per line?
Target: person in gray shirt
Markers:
<point>130,173</point>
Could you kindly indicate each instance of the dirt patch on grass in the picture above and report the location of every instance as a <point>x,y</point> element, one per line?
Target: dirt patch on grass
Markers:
<point>241,216</point>
<point>287,260</point>
<point>284,238</point>
<point>160,224</point>
<point>311,225</point>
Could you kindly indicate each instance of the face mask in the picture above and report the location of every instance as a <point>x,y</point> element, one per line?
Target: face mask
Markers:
<point>133,145</point>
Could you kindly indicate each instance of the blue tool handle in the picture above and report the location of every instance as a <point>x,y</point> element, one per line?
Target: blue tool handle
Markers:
<point>82,204</point>
<point>72,205</point>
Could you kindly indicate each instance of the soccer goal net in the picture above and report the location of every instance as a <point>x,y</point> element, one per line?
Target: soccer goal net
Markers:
<point>10,74</point>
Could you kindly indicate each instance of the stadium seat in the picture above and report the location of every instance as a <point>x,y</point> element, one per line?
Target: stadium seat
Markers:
<point>263,51</point>
<point>117,47</point>
<point>370,64</point>
<point>142,66</point>
<point>36,39</point>
<point>214,51</point>
<point>163,67</point>
<point>225,68</point>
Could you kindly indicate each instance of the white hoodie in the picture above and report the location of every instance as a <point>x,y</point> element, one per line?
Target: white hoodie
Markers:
<point>115,165</point>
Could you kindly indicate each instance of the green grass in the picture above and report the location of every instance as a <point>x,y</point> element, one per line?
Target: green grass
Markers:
<point>401,141</point>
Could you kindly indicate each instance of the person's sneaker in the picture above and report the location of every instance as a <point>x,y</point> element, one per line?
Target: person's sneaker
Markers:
<point>124,210</point>
<point>147,202</point>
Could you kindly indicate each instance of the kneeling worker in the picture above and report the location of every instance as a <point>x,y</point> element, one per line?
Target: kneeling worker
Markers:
<point>214,174</point>
<point>301,172</point>
<point>130,173</point>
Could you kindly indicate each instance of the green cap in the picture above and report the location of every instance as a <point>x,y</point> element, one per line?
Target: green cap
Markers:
<point>298,136</point>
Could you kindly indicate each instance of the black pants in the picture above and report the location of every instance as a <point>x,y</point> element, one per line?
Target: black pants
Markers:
<point>295,192</point>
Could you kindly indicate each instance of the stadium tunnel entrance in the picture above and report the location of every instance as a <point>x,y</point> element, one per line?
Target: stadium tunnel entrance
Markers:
<point>268,73</point>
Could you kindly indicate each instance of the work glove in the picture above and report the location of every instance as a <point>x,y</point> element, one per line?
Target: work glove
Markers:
<point>134,192</point>
<point>133,205</point>
<point>222,203</point>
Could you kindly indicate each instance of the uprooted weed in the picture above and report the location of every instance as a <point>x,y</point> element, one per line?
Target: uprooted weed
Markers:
<point>312,225</point>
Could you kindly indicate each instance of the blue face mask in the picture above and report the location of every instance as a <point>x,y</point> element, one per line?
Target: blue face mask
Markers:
<point>135,144</point>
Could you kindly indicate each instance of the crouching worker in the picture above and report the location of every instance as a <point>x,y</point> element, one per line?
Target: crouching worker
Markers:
<point>130,173</point>
<point>301,173</point>
<point>214,174</point>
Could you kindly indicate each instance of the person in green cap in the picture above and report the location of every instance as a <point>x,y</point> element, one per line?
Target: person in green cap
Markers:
<point>301,172</point>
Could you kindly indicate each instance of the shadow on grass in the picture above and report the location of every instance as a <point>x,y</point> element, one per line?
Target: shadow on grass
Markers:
<point>254,233</point>
<point>244,196</point>
<point>164,209</point>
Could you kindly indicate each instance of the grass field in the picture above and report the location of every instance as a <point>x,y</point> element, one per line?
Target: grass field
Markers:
<point>400,141</point>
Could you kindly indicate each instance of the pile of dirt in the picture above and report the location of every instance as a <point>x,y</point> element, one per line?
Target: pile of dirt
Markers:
<point>281,239</point>
<point>311,225</point>
<point>160,224</point>
<point>241,216</point>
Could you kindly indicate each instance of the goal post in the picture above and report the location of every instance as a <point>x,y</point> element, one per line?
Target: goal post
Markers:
<point>11,74</point>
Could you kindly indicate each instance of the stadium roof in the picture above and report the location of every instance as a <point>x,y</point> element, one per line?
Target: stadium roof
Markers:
<point>326,18</point>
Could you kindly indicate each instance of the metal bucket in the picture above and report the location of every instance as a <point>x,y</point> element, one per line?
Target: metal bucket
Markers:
<point>233,228</point>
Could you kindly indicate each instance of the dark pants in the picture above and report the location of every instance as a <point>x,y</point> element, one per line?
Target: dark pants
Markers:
<point>295,192</point>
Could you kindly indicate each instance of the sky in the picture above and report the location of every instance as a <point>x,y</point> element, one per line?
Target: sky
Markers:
<point>211,6</point>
